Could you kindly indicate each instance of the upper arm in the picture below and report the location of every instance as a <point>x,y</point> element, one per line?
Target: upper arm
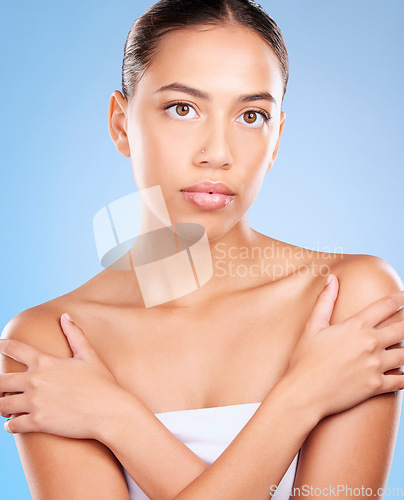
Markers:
<point>54,466</point>
<point>355,447</point>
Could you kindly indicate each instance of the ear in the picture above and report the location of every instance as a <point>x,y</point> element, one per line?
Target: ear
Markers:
<point>275,153</point>
<point>117,122</point>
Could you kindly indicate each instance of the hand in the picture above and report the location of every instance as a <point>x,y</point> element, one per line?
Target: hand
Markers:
<point>63,396</point>
<point>340,366</point>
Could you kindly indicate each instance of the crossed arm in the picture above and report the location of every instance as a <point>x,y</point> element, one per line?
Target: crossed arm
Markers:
<point>360,439</point>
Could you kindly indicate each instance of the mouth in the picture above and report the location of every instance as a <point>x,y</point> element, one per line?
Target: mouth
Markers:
<point>208,195</point>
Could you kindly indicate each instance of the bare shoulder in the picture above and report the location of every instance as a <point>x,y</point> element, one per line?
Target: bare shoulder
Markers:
<point>363,279</point>
<point>81,468</point>
<point>40,327</point>
<point>359,442</point>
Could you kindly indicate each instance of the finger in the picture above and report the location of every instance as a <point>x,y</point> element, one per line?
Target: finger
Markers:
<point>20,424</point>
<point>79,344</point>
<point>392,358</point>
<point>11,405</point>
<point>392,383</point>
<point>389,335</point>
<point>12,382</point>
<point>381,309</point>
<point>324,306</point>
<point>20,351</point>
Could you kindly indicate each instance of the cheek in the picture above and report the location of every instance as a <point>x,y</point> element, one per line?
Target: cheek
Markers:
<point>255,162</point>
<point>255,159</point>
<point>153,154</point>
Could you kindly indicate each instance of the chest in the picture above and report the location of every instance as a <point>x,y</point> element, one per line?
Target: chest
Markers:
<point>224,355</point>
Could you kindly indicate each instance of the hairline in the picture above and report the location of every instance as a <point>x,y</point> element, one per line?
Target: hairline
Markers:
<point>230,22</point>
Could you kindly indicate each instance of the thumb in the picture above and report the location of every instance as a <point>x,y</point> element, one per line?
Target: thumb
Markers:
<point>324,306</point>
<point>78,342</point>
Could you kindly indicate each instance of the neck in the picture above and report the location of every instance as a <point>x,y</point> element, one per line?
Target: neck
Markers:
<point>175,264</point>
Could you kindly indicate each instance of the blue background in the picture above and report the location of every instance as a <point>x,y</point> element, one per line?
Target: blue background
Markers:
<point>337,182</point>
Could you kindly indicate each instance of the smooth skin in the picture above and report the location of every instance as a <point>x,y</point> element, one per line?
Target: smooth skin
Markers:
<point>162,357</point>
<point>55,405</point>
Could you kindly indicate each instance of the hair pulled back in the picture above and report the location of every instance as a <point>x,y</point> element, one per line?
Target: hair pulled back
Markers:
<point>173,15</point>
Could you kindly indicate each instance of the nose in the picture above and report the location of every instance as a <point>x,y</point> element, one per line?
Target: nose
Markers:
<point>215,151</point>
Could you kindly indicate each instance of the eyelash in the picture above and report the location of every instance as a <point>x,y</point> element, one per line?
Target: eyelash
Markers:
<point>261,112</point>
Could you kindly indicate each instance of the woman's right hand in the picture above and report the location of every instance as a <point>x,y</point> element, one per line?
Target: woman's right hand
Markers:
<point>342,365</point>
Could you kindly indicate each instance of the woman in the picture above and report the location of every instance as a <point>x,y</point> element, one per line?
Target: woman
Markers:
<point>203,86</point>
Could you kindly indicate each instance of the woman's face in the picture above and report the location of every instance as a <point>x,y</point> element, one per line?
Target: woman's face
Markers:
<point>165,140</point>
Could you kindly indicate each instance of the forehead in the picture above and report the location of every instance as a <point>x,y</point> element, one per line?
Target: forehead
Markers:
<point>217,59</point>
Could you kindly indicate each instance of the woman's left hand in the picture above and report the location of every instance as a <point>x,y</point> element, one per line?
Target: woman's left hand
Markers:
<point>63,396</point>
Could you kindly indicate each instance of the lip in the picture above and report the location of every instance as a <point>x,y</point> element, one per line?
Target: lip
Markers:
<point>208,195</point>
<point>210,187</point>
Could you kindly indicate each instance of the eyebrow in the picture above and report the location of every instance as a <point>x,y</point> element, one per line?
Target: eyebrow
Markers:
<point>258,96</point>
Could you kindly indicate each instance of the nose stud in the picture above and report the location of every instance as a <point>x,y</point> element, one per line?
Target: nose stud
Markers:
<point>203,150</point>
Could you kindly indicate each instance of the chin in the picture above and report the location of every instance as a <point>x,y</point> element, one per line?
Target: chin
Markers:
<point>216,222</point>
<point>214,229</point>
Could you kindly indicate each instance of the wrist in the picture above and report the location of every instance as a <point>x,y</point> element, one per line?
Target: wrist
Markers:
<point>299,399</point>
<point>116,411</point>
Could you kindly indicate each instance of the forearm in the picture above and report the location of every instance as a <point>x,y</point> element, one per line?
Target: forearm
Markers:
<point>257,458</point>
<point>261,453</point>
<point>157,461</point>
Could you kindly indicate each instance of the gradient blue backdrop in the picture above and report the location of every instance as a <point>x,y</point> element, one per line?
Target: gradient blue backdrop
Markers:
<point>337,182</point>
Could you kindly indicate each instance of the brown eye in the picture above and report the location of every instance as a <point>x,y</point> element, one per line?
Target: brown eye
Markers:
<point>182,109</point>
<point>255,118</point>
<point>250,117</point>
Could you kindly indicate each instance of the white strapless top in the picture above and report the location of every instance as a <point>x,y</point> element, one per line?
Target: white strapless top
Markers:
<point>208,432</point>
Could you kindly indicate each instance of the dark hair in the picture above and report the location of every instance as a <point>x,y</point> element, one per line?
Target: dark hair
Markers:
<point>173,15</point>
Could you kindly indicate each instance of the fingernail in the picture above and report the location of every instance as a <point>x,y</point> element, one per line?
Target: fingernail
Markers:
<point>6,427</point>
<point>329,279</point>
<point>67,316</point>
